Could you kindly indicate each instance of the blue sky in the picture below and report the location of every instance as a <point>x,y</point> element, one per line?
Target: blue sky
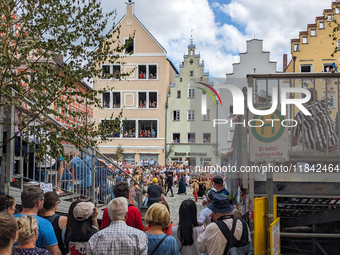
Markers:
<point>221,28</point>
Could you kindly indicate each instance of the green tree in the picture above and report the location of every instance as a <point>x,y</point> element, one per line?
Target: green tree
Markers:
<point>35,37</point>
<point>119,153</point>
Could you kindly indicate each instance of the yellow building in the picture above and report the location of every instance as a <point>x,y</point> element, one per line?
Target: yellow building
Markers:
<point>314,47</point>
<point>313,50</point>
<point>142,96</point>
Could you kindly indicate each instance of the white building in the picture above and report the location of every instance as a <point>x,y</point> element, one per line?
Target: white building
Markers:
<point>254,60</point>
<point>190,134</point>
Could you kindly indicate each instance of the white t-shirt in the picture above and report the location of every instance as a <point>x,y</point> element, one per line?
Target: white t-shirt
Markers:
<point>205,216</point>
<point>187,178</point>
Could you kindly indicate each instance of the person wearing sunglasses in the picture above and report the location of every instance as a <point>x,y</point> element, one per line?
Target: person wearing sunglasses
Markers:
<point>7,204</point>
<point>28,235</point>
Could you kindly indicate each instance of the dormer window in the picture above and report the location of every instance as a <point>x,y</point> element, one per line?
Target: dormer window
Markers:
<point>313,32</point>
<point>296,47</point>
<point>129,45</point>
<point>191,52</point>
<point>329,17</point>
<point>304,39</point>
<point>322,25</point>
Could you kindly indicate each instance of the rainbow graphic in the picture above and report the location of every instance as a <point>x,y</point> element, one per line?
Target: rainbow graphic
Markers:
<point>204,97</point>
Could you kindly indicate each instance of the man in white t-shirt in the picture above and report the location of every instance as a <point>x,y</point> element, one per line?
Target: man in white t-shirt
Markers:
<point>152,162</point>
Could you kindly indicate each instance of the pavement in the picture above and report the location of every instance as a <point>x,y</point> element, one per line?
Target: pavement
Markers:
<point>175,202</point>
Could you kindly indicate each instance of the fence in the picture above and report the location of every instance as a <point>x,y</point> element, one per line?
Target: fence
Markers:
<point>83,173</point>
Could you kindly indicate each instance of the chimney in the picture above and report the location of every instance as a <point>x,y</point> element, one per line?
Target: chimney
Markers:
<point>284,62</point>
<point>130,8</point>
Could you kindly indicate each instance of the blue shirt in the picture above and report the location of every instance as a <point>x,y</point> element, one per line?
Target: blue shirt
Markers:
<point>46,235</point>
<point>168,247</point>
<point>83,171</point>
<point>226,193</point>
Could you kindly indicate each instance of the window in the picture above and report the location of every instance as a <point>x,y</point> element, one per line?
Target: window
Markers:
<point>147,99</point>
<point>142,100</point>
<point>116,71</point>
<point>176,115</point>
<point>129,129</point>
<point>205,161</point>
<point>147,72</point>
<point>337,11</point>
<point>332,102</point>
<point>329,17</point>
<point>109,126</point>
<point>129,158</point>
<point>176,137</point>
<point>201,78</point>
<point>106,71</point>
<point>116,99</point>
<point>152,99</point>
<point>129,45</point>
<point>304,39</point>
<point>313,32</point>
<point>148,128</point>
<point>142,72</point>
<point>306,68</point>
<point>191,52</point>
<point>206,138</point>
<point>322,25</point>
<point>191,73</point>
<point>73,113</point>
<point>66,113</point>
<point>191,93</point>
<point>338,45</point>
<point>191,114</point>
<point>106,100</point>
<point>178,94</point>
<point>230,111</point>
<point>152,72</point>
<point>206,116</point>
<point>327,68</point>
<point>296,47</point>
<point>231,135</point>
<point>191,138</point>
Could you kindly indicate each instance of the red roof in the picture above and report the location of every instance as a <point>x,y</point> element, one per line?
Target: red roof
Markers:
<point>304,33</point>
<point>328,10</point>
<point>311,25</point>
<point>320,17</point>
<point>295,40</point>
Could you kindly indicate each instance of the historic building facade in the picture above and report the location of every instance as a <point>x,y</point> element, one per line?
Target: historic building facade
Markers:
<point>254,60</point>
<point>190,135</point>
<point>141,96</point>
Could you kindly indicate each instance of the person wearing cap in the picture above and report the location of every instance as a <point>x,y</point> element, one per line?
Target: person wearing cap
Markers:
<point>118,237</point>
<point>155,192</point>
<point>81,225</point>
<point>212,240</point>
<point>218,184</point>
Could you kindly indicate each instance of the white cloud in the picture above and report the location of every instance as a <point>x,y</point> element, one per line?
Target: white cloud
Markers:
<point>274,21</point>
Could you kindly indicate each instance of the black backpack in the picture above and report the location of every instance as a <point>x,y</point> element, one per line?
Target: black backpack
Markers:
<point>235,247</point>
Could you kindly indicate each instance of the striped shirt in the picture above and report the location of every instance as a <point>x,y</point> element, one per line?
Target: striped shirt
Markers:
<point>119,239</point>
<point>323,126</point>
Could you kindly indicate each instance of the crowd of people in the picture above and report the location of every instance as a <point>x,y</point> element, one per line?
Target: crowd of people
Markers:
<point>38,229</point>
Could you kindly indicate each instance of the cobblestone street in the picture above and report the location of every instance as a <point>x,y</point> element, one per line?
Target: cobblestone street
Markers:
<point>175,202</point>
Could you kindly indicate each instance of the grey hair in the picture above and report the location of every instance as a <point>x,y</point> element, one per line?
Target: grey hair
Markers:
<point>117,208</point>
